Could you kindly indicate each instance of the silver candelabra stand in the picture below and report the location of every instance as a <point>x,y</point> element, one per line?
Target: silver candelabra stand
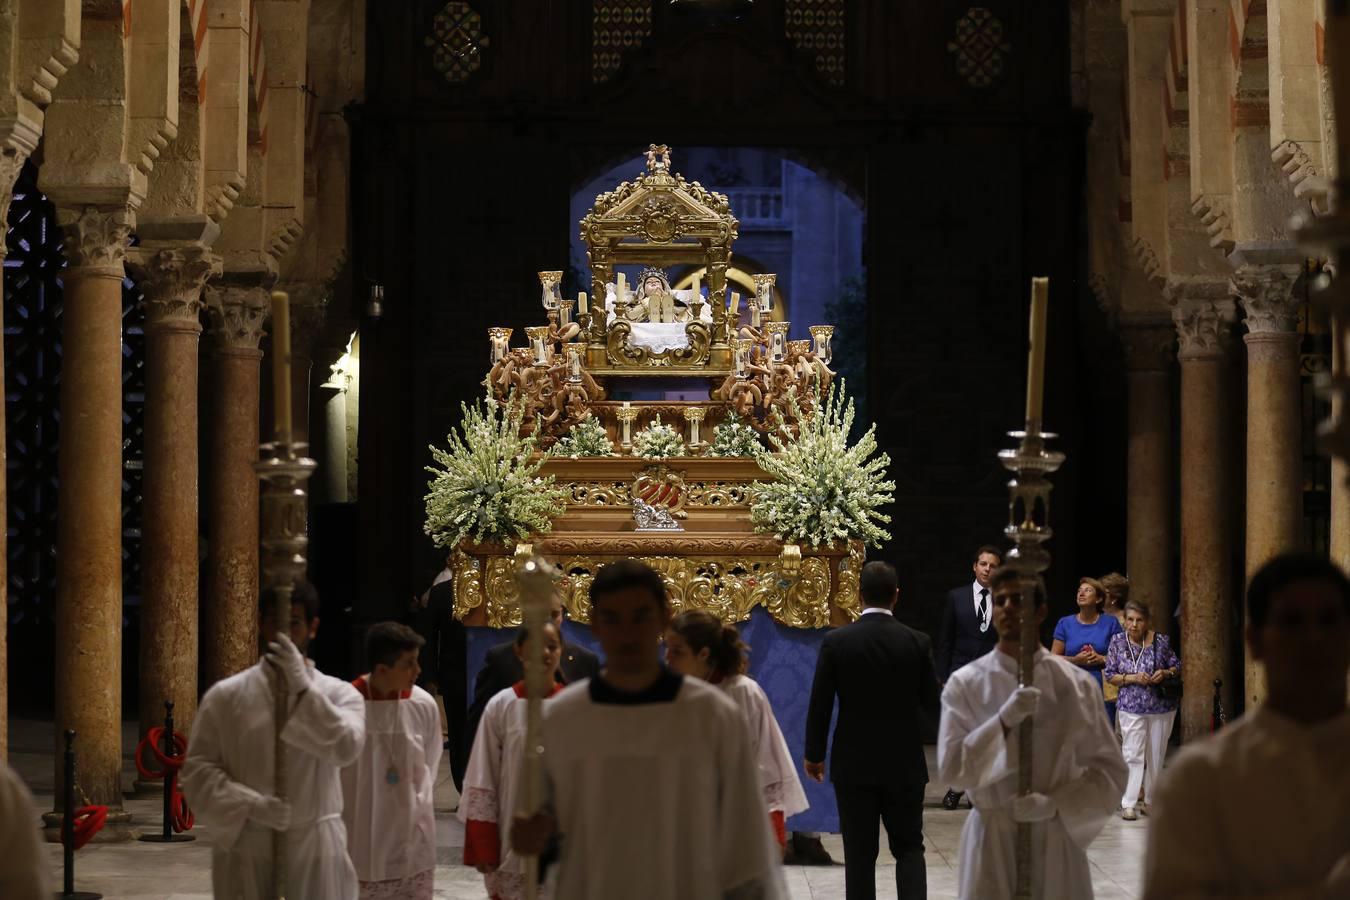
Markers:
<point>1028,529</point>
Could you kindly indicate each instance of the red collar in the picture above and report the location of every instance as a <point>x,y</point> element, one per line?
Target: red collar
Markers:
<point>364,687</point>
<point>519,688</point>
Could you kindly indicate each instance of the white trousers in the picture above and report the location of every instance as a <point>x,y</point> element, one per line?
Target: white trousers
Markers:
<point>1143,744</point>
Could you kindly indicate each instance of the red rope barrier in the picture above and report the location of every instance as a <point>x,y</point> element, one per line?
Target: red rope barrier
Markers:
<point>89,820</point>
<point>183,819</point>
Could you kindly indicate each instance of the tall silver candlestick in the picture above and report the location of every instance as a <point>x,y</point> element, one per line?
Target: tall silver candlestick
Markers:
<point>1028,529</point>
<point>285,472</point>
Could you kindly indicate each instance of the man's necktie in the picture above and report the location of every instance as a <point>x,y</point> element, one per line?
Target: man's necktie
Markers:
<point>984,609</point>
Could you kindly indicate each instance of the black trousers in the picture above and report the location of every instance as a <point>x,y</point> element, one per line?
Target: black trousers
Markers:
<point>863,809</point>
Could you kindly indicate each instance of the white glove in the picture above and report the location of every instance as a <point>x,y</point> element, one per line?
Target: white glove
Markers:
<point>290,662</point>
<point>1033,808</point>
<point>272,812</point>
<point>1018,706</point>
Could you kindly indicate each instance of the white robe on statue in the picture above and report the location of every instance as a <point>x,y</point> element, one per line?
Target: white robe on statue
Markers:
<point>1077,763</point>
<point>778,779</point>
<point>657,796</point>
<point>23,868</point>
<point>391,827</point>
<point>1260,809</point>
<point>229,769</point>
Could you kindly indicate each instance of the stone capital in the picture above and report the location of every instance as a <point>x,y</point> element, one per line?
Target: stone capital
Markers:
<point>1267,296</point>
<point>1202,327</point>
<point>11,164</point>
<point>95,239</point>
<point>171,277</point>
<point>1149,344</point>
<point>238,315</point>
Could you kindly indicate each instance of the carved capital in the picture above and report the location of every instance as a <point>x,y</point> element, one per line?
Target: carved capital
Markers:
<point>238,315</point>
<point>1149,346</point>
<point>1202,328</point>
<point>95,238</point>
<point>171,279</point>
<point>1267,296</point>
<point>11,163</point>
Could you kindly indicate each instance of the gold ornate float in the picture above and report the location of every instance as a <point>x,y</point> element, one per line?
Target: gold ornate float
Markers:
<point>687,515</point>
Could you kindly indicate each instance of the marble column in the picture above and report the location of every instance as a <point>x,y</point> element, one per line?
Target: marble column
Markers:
<point>1274,425</point>
<point>89,506</point>
<point>11,163</point>
<point>1149,498</point>
<point>230,624</point>
<point>170,276</point>
<point>1206,531</point>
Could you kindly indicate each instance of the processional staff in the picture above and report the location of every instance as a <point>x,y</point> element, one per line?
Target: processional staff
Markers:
<point>284,472</point>
<point>536,581</point>
<point>1028,514</point>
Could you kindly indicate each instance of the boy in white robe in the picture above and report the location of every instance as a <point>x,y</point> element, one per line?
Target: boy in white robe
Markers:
<point>654,793</point>
<point>1261,810</point>
<point>228,775</point>
<point>387,792</point>
<point>1078,772</point>
<point>492,780</point>
<point>700,646</point>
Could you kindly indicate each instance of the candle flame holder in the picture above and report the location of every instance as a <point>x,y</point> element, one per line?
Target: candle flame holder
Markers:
<point>1028,529</point>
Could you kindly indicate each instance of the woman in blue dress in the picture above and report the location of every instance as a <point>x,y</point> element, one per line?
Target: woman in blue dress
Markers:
<point>1084,637</point>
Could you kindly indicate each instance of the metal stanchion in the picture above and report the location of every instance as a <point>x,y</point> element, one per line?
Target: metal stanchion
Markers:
<point>166,836</point>
<point>68,891</point>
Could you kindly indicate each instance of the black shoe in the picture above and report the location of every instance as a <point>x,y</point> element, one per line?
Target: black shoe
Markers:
<point>808,851</point>
<point>952,800</point>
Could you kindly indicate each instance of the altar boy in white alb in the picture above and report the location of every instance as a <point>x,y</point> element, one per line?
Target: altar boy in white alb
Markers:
<point>1078,772</point>
<point>387,791</point>
<point>654,792</point>
<point>228,776</point>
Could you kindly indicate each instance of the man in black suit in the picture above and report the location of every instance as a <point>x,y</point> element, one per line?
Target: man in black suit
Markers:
<point>442,660</point>
<point>967,631</point>
<point>882,672</point>
<point>501,669</point>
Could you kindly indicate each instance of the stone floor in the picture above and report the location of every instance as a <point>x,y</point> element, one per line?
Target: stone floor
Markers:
<point>183,871</point>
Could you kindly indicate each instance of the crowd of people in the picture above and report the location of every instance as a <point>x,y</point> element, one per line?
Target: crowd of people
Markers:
<point>666,774</point>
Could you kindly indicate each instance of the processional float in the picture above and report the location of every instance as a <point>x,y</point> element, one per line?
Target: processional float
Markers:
<point>685,509</point>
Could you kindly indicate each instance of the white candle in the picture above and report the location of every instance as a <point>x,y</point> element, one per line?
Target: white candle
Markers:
<point>581,303</point>
<point>698,286</point>
<point>621,291</point>
<point>1040,289</point>
<point>735,303</point>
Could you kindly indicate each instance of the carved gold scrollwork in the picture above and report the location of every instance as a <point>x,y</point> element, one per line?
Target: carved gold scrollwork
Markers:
<point>619,352</point>
<point>729,588</point>
<point>600,493</point>
<point>716,493</point>
<point>468,576</point>
<point>846,595</point>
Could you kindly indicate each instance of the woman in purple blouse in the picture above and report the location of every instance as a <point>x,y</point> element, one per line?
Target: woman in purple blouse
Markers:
<point>1138,662</point>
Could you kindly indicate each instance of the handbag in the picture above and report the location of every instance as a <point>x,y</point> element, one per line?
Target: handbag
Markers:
<point>1169,689</point>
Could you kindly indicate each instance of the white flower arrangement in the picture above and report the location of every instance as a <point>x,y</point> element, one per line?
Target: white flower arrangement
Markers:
<point>658,441</point>
<point>734,438</point>
<point>586,438</point>
<point>823,490</point>
<point>486,483</point>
